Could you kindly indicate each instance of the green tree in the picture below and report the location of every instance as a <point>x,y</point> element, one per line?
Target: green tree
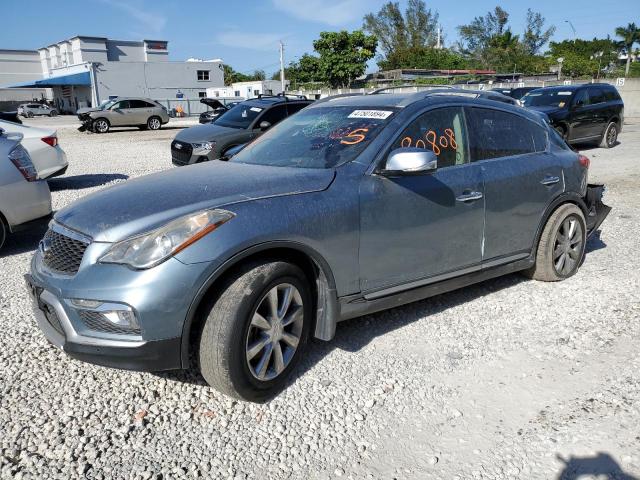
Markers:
<point>423,57</point>
<point>582,57</point>
<point>258,75</point>
<point>344,55</point>
<point>535,36</point>
<point>305,70</point>
<point>630,35</point>
<point>477,35</point>
<point>417,28</point>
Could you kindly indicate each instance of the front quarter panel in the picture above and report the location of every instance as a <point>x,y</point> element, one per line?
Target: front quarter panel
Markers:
<point>325,222</point>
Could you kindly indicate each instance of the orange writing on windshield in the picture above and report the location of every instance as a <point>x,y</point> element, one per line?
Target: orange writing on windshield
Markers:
<point>355,137</point>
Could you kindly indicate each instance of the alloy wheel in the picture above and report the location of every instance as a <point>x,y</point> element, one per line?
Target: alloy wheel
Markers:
<point>612,134</point>
<point>101,126</point>
<point>567,248</point>
<point>154,124</point>
<point>274,332</point>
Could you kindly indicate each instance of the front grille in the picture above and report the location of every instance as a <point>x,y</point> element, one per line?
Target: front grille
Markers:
<point>62,253</point>
<point>181,155</point>
<point>96,321</point>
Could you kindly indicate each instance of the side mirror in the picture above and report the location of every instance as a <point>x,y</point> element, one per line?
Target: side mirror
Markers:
<point>264,125</point>
<point>410,161</point>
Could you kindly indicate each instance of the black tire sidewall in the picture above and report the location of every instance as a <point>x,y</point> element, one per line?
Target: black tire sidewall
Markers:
<point>149,123</point>
<point>606,135</point>
<point>570,212</point>
<point>232,336</point>
<point>101,120</point>
<point>3,233</point>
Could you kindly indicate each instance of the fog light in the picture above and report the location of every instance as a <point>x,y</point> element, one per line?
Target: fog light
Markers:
<point>96,313</point>
<point>124,318</point>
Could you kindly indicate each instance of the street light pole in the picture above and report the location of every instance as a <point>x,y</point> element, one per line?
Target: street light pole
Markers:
<point>572,28</point>
<point>282,85</point>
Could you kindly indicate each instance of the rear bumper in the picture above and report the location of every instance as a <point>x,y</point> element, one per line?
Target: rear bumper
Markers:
<point>596,210</point>
<point>52,319</point>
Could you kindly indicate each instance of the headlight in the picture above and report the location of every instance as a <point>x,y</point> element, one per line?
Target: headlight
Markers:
<point>202,148</point>
<point>153,248</point>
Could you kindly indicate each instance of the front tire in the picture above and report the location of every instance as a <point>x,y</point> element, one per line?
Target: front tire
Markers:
<point>101,125</point>
<point>3,232</point>
<point>561,246</point>
<point>610,136</point>
<point>256,330</point>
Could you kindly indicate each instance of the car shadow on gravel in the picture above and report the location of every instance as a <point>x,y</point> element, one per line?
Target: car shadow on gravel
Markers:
<point>23,242</point>
<point>78,182</point>
<point>602,464</point>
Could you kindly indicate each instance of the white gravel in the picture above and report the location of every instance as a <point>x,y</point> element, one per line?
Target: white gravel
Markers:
<point>507,379</point>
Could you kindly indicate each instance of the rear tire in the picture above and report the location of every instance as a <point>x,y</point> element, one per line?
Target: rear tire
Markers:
<point>248,347</point>
<point>561,246</point>
<point>154,123</point>
<point>101,125</point>
<point>53,114</point>
<point>610,136</point>
<point>29,115</point>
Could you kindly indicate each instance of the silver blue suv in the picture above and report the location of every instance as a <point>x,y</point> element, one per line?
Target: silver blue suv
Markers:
<point>354,205</point>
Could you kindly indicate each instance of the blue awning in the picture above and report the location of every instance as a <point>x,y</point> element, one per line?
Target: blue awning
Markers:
<point>77,79</point>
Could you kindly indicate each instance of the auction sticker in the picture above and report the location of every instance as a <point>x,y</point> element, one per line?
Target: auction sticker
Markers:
<point>377,114</point>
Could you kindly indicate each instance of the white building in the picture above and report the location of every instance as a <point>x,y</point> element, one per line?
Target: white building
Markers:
<point>18,66</point>
<point>246,90</point>
<point>85,71</point>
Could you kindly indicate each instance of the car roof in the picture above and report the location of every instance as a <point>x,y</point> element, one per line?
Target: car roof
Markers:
<point>267,101</point>
<point>433,97</point>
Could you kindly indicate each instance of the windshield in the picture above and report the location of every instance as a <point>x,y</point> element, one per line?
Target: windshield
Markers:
<point>322,137</point>
<point>239,116</point>
<point>548,98</point>
<point>108,105</point>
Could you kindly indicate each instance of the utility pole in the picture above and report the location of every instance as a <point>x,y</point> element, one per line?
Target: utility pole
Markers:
<point>282,85</point>
<point>438,44</point>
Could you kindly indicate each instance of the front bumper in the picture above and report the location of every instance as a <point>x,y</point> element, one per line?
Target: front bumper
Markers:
<point>141,355</point>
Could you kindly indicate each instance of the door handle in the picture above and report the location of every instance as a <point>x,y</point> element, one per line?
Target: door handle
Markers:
<point>469,197</point>
<point>550,180</point>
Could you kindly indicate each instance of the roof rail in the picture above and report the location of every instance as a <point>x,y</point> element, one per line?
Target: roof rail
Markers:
<point>338,95</point>
<point>395,87</point>
<point>283,95</point>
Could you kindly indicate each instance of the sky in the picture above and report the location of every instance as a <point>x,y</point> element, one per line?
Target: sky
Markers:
<point>246,33</point>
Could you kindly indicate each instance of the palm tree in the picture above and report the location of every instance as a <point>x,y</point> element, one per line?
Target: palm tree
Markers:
<point>630,35</point>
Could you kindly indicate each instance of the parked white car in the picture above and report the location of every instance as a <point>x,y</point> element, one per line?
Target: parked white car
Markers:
<point>24,200</point>
<point>31,110</point>
<point>42,144</point>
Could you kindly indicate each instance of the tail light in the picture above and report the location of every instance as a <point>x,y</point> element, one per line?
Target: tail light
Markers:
<point>51,141</point>
<point>584,161</point>
<point>21,159</point>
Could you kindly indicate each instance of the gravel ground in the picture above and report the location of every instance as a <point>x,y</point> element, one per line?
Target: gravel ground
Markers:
<point>510,378</point>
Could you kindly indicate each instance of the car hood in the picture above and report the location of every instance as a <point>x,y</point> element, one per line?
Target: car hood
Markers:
<point>547,109</point>
<point>146,203</point>
<point>80,111</point>
<point>206,132</point>
<point>212,102</point>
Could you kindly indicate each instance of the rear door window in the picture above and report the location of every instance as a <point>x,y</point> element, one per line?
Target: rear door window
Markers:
<point>138,104</point>
<point>496,134</point>
<point>274,115</point>
<point>442,131</point>
<point>596,95</point>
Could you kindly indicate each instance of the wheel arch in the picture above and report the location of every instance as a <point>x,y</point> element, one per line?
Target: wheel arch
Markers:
<point>563,198</point>
<point>312,263</point>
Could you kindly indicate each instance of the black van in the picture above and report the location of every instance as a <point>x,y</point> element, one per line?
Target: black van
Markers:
<point>593,112</point>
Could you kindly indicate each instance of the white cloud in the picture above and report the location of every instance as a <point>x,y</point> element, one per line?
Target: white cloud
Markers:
<point>152,22</point>
<point>249,40</point>
<point>336,13</point>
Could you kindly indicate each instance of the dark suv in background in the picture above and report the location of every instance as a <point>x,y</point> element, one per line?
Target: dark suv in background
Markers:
<point>237,126</point>
<point>581,113</point>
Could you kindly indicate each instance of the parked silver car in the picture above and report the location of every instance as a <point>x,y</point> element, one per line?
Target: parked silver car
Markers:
<point>30,110</point>
<point>23,198</point>
<point>124,112</point>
